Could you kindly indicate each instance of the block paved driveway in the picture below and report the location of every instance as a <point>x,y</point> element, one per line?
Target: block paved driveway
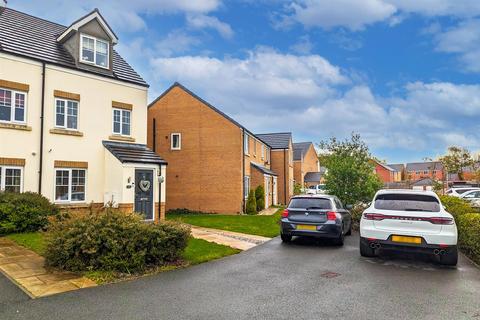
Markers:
<point>302,280</point>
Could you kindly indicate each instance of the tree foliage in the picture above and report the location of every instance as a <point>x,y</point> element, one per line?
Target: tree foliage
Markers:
<point>260,197</point>
<point>456,160</point>
<point>251,207</point>
<point>350,172</point>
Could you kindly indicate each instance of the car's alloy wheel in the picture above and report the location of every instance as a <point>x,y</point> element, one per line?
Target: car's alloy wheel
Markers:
<point>341,238</point>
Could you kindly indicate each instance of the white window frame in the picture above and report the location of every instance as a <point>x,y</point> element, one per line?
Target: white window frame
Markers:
<point>263,151</point>
<point>95,40</point>
<point>246,187</point>
<point>246,144</point>
<point>172,147</point>
<point>3,169</point>
<point>69,200</point>
<point>12,111</point>
<point>66,114</point>
<point>121,122</point>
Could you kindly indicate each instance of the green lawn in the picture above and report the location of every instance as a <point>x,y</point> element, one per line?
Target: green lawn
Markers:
<point>197,251</point>
<point>266,226</point>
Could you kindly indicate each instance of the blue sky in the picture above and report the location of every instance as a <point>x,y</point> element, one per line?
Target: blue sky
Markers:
<point>402,73</point>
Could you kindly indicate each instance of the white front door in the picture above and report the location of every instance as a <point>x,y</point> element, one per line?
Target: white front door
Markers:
<point>274,191</point>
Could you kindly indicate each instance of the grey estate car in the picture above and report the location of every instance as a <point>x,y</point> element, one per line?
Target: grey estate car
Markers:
<point>319,216</point>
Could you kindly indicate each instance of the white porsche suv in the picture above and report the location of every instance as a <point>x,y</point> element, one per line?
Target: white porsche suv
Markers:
<point>409,220</point>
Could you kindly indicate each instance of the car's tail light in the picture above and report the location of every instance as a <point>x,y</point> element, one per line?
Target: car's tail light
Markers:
<point>440,220</point>
<point>285,213</point>
<point>331,215</point>
<point>374,216</point>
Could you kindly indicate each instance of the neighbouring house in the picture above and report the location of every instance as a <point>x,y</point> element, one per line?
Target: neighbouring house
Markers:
<point>423,184</point>
<point>384,172</point>
<point>73,115</point>
<point>469,175</point>
<point>419,170</point>
<point>282,162</point>
<point>399,172</point>
<point>213,160</point>
<point>306,166</point>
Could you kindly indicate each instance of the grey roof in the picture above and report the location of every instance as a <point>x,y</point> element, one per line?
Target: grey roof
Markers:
<point>263,169</point>
<point>423,166</point>
<point>300,149</point>
<point>312,177</point>
<point>423,182</point>
<point>132,152</point>
<point>278,140</point>
<point>223,114</point>
<point>397,167</point>
<point>28,36</point>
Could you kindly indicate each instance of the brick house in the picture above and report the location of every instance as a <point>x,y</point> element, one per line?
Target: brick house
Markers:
<point>399,172</point>
<point>384,172</point>
<point>72,117</point>
<point>306,166</point>
<point>420,170</point>
<point>282,162</point>
<point>213,160</point>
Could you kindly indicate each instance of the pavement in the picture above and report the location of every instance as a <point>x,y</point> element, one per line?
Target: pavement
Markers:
<point>232,239</point>
<point>303,280</point>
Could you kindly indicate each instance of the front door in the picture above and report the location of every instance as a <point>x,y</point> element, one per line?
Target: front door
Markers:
<point>144,193</point>
<point>274,191</point>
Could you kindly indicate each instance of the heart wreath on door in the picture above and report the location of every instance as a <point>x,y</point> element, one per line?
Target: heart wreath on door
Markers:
<point>144,185</point>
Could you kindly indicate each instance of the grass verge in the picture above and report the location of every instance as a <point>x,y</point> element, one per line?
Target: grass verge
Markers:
<point>266,226</point>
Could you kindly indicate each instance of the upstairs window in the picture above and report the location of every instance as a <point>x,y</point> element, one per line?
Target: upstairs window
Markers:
<point>94,51</point>
<point>176,141</point>
<point>246,148</point>
<point>66,114</point>
<point>121,122</point>
<point>12,106</point>
<point>263,151</point>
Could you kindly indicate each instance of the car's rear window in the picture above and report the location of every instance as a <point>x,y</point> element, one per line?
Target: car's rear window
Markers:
<point>462,191</point>
<point>407,202</point>
<point>310,203</point>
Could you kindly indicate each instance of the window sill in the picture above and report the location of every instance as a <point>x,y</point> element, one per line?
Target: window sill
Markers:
<point>121,138</point>
<point>15,126</point>
<point>66,132</point>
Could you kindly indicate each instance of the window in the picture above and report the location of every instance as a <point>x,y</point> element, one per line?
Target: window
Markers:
<point>310,203</point>
<point>268,155</point>
<point>94,51</point>
<point>11,179</point>
<point>407,202</point>
<point>263,151</point>
<point>425,171</point>
<point>176,141</point>
<point>70,185</point>
<point>246,186</point>
<point>246,148</point>
<point>254,147</point>
<point>66,114</point>
<point>12,105</point>
<point>121,122</point>
<point>417,172</point>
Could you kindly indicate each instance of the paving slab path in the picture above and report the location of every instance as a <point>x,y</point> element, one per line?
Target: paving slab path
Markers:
<point>232,239</point>
<point>268,211</point>
<point>27,269</point>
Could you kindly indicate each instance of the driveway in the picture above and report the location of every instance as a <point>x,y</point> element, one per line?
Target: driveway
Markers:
<point>302,280</point>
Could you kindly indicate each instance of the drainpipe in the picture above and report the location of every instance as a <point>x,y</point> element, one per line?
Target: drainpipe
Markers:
<point>160,181</point>
<point>243,170</point>
<point>285,175</point>
<point>42,113</point>
<point>154,146</point>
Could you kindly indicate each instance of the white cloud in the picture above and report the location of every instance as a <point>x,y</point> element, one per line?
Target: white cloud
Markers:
<point>177,41</point>
<point>201,21</point>
<point>303,46</point>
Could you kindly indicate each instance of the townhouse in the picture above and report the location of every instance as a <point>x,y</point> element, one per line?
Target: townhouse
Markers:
<point>384,172</point>
<point>306,166</point>
<point>420,170</point>
<point>281,145</point>
<point>213,160</point>
<point>72,117</point>
<point>399,171</point>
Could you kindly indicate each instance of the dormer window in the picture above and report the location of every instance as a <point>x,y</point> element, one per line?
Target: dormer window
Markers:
<point>94,51</point>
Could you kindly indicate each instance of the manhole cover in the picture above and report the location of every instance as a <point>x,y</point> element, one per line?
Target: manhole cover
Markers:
<point>329,274</point>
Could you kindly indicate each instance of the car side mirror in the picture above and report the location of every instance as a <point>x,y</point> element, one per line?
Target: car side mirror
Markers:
<point>349,207</point>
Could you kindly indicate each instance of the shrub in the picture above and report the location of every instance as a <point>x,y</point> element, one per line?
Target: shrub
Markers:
<point>357,212</point>
<point>24,212</point>
<point>185,211</point>
<point>251,207</point>
<point>469,235</point>
<point>297,189</point>
<point>456,206</point>
<point>260,198</point>
<point>113,241</point>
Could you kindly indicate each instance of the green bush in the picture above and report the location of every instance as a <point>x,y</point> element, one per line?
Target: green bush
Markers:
<point>24,212</point>
<point>260,198</point>
<point>357,212</point>
<point>469,235</point>
<point>297,189</point>
<point>113,241</point>
<point>185,211</point>
<point>251,207</point>
<point>456,206</point>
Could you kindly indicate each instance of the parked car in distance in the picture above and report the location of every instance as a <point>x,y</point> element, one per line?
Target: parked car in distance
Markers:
<point>472,196</point>
<point>458,191</point>
<point>409,220</point>
<point>316,189</point>
<point>319,216</point>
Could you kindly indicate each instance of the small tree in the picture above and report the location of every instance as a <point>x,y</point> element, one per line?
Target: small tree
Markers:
<point>350,172</point>
<point>260,198</point>
<point>251,207</point>
<point>297,189</point>
<point>456,160</point>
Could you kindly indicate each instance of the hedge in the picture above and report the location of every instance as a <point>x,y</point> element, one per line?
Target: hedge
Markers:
<point>24,212</point>
<point>113,241</point>
<point>260,198</point>
<point>251,207</point>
